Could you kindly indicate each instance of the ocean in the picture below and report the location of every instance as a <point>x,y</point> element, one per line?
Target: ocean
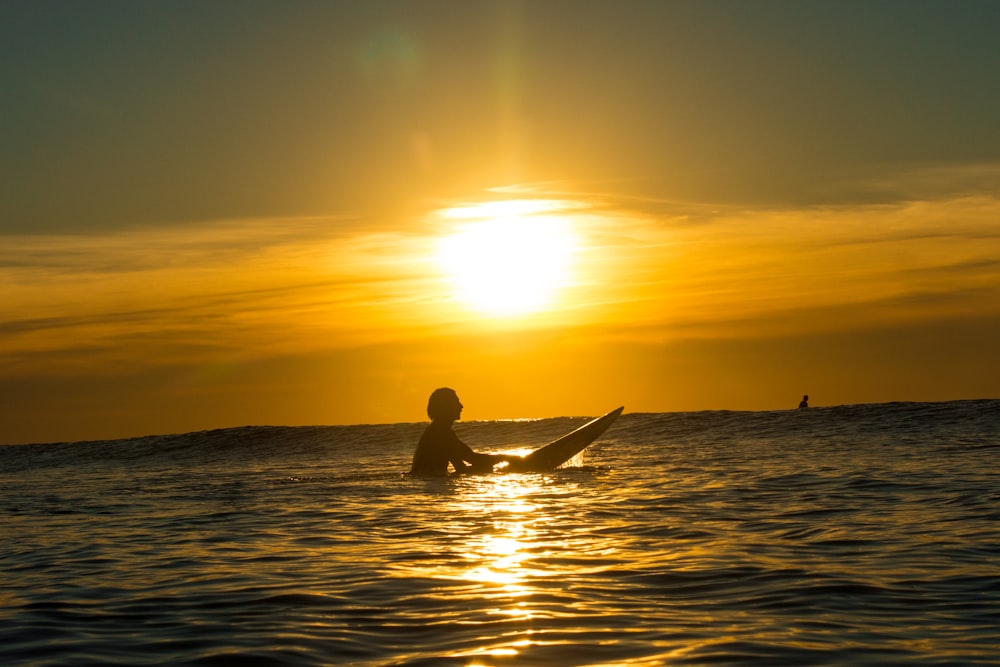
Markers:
<point>851,535</point>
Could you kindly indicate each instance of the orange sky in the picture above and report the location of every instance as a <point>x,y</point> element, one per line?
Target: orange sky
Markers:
<point>270,225</point>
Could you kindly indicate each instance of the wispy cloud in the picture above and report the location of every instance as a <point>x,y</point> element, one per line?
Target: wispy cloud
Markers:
<point>247,284</point>
<point>644,269</point>
<point>713,270</point>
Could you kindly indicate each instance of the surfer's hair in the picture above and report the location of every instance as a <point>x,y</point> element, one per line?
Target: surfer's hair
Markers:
<point>439,405</point>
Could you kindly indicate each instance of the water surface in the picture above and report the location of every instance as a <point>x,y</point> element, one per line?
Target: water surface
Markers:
<point>858,535</point>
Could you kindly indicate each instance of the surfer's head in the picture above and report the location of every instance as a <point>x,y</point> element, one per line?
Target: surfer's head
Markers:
<point>444,405</point>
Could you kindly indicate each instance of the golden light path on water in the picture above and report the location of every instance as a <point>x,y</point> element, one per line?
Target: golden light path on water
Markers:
<point>520,566</point>
<point>496,562</point>
<point>528,567</point>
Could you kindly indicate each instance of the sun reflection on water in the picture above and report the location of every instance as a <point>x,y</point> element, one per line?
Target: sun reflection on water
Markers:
<point>504,562</point>
<point>498,561</point>
<point>498,557</point>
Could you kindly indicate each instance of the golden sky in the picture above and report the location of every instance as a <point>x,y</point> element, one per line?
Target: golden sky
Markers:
<point>287,213</point>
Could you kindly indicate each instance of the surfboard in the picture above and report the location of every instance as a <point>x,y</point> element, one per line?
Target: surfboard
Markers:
<point>557,452</point>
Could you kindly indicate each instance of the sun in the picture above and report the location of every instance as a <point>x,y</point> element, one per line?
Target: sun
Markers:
<point>508,258</point>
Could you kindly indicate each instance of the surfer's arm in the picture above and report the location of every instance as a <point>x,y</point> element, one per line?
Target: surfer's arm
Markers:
<point>486,462</point>
<point>478,461</point>
<point>466,459</point>
<point>461,455</point>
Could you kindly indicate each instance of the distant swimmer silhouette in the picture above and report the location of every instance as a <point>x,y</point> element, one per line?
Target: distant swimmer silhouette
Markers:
<point>439,445</point>
<point>805,401</point>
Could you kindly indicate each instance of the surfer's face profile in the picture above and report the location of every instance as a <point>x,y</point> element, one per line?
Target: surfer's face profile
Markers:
<point>455,408</point>
<point>444,405</point>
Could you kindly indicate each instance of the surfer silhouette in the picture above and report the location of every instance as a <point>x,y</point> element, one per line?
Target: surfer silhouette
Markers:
<point>805,401</point>
<point>439,446</point>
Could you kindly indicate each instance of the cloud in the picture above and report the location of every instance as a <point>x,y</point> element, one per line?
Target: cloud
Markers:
<point>645,270</point>
<point>257,284</point>
<point>719,270</point>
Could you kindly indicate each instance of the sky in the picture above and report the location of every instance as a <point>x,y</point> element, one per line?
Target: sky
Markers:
<point>219,214</point>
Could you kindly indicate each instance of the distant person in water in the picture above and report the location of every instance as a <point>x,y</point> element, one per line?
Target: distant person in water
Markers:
<point>439,445</point>
<point>805,401</point>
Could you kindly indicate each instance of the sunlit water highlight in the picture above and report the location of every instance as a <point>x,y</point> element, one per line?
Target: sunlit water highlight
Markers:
<point>859,535</point>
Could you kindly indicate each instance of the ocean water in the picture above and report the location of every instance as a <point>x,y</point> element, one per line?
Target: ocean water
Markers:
<point>853,535</point>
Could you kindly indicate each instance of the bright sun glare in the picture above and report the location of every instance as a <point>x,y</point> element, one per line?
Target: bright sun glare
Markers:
<point>508,258</point>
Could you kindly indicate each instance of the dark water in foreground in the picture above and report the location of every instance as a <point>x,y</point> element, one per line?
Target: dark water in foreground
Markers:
<point>858,535</point>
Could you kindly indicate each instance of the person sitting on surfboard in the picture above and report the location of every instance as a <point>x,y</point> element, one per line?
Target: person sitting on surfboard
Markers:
<point>439,445</point>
